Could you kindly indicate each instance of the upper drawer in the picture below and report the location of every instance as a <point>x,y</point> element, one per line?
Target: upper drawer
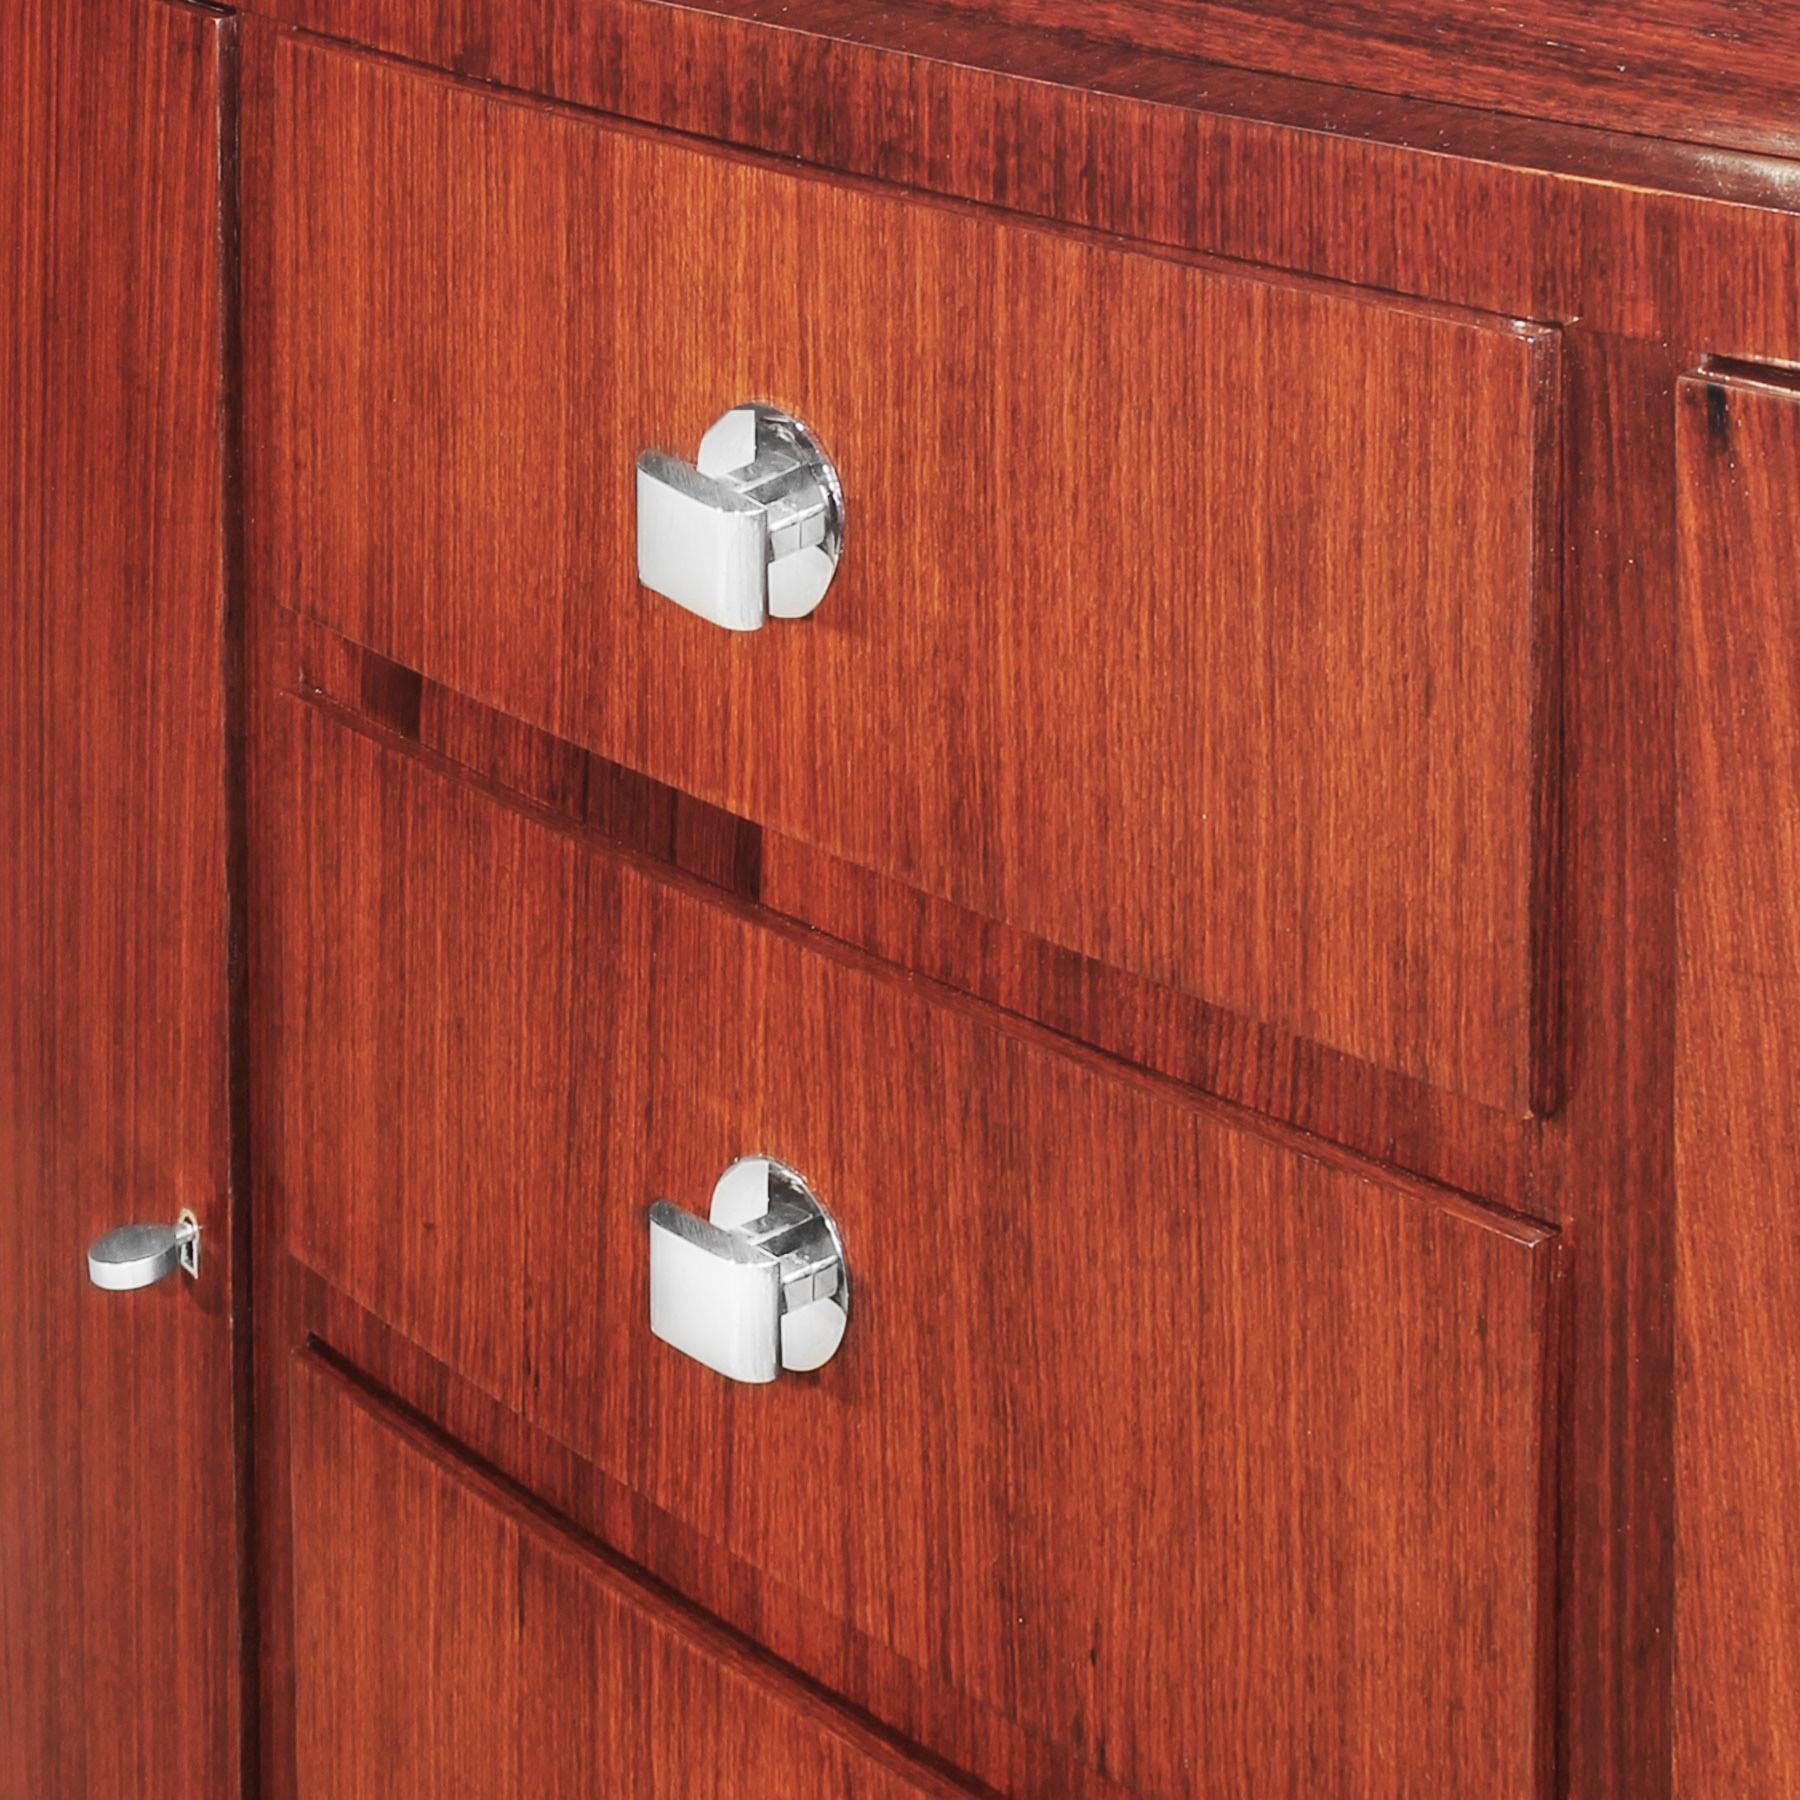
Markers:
<point>1211,1463</point>
<point>1189,619</point>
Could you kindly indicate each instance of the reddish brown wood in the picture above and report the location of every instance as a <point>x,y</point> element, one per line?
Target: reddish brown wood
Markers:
<point>1701,69</point>
<point>1603,1164</point>
<point>975,1743</point>
<point>517,760</point>
<point>1020,1436</point>
<point>1461,1144</point>
<point>1098,1005</point>
<point>1618,234</point>
<point>1166,587</point>
<point>1624,233</point>
<point>1425,1130</point>
<point>118,1530</point>
<point>1594,96</point>
<point>498,1655</point>
<point>1738,1065</point>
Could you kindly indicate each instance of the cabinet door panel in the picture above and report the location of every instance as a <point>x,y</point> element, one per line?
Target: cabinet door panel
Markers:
<point>118,1603</point>
<point>1738,1093</point>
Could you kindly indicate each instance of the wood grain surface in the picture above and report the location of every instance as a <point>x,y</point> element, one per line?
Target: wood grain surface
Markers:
<point>119,1537</point>
<point>1625,233</point>
<point>1654,254</point>
<point>1425,1130</point>
<point>1077,1462</point>
<point>1453,1141</point>
<point>1698,71</point>
<point>492,1654</point>
<point>1603,1165</point>
<point>1196,624</point>
<point>1701,69</point>
<point>1737,1071</point>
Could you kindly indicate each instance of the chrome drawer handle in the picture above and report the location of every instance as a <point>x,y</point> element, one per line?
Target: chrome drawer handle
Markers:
<point>749,531</point>
<point>759,1286</point>
<point>135,1256</point>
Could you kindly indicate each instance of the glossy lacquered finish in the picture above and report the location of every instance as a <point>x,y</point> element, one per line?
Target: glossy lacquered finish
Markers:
<point>1625,234</point>
<point>1703,69</point>
<point>494,1654</point>
<point>1091,1475</point>
<point>1649,254</point>
<point>119,1563</point>
<point>1738,1077</point>
<point>1165,586</point>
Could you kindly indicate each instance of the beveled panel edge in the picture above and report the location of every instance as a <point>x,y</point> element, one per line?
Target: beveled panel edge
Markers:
<point>562,1538</point>
<point>1529,1232</point>
<point>1550,900</point>
<point>1373,1110</point>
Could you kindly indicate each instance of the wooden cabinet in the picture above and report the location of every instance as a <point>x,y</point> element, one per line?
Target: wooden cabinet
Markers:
<point>1258,902</point>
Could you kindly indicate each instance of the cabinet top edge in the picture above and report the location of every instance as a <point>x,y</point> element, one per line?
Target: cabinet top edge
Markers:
<point>1666,119</point>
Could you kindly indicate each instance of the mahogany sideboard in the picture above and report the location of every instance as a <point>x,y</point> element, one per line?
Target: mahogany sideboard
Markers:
<point>900,899</point>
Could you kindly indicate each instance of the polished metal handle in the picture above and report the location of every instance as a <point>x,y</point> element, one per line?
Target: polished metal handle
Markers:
<point>135,1256</point>
<point>749,531</point>
<point>757,1287</point>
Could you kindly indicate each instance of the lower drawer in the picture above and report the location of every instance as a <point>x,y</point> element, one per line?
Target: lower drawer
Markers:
<point>1210,1457</point>
<point>451,1641</point>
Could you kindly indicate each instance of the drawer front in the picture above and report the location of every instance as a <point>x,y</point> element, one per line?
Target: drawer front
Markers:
<point>1197,622</point>
<point>452,1641</point>
<point>1207,1462</point>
